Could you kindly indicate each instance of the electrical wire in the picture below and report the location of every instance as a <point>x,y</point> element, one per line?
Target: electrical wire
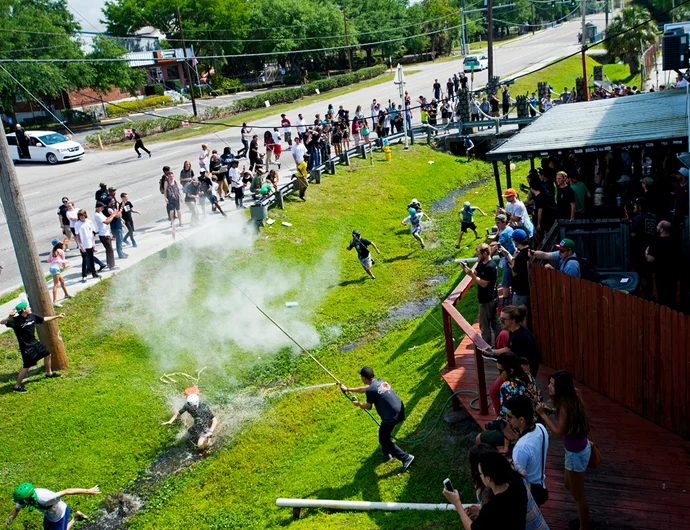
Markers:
<point>536,25</point>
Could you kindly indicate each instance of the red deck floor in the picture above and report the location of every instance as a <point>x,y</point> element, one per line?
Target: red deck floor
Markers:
<point>644,480</point>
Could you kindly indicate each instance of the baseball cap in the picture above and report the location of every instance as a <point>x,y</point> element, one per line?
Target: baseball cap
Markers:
<point>367,371</point>
<point>683,171</point>
<point>99,204</point>
<point>55,241</point>
<point>647,180</point>
<point>193,400</point>
<point>112,189</point>
<point>509,192</point>
<point>202,171</point>
<point>102,184</point>
<point>566,244</point>
<point>355,232</point>
<point>21,306</point>
<point>519,235</point>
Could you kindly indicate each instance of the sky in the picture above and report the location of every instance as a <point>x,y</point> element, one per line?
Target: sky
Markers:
<point>88,13</point>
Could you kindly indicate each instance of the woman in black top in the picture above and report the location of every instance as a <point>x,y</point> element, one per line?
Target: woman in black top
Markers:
<point>521,342</point>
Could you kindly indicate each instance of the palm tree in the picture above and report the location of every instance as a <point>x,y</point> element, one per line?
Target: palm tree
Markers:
<point>629,43</point>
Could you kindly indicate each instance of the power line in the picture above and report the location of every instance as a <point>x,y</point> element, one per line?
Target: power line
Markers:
<point>228,56</point>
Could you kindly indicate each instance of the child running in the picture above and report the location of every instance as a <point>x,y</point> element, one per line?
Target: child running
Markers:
<point>415,220</point>
<point>466,218</point>
<point>57,263</point>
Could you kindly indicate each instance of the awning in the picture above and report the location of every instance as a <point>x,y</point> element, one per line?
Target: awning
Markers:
<point>634,121</point>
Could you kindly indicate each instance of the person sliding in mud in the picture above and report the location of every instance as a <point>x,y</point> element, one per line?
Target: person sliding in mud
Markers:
<point>204,421</point>
<point>361,245</point>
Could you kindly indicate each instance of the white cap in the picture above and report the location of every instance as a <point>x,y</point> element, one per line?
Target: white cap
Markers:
<point>193,400</point>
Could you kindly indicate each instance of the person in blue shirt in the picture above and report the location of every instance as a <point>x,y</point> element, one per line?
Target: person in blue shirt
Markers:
<point>415,220</point>
<point>466,218</point>
<point>503,238</point>
<point>564,255</point>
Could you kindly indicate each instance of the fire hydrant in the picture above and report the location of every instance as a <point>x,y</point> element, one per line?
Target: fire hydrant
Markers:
<point>387,151</point>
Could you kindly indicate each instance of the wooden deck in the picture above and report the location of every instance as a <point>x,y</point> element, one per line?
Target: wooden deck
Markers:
<point>644,480</point>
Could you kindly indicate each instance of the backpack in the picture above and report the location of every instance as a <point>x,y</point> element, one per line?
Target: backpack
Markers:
<point>587,270</point>
<point>161,184</point>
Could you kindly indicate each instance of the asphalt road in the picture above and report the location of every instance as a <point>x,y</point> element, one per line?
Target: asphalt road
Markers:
<point>43,185</point>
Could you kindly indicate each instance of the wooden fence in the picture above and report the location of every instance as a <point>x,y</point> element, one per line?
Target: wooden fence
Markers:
<point>626,348</point>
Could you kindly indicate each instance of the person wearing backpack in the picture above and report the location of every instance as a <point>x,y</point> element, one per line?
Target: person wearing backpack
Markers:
<point>568,262</point>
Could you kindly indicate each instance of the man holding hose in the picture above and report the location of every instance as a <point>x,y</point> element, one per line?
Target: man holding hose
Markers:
<point>389,407</point>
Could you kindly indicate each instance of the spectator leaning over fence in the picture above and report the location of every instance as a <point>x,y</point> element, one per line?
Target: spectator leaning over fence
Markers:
<point>662,255</point>
<point>564,254</point>
<point>529,453</point>
<point>573,427</point>
<point>485,275</point>
<point>519,268</point>
<point>565,197</point>
<point>533,103</point>
<point>507,507</point>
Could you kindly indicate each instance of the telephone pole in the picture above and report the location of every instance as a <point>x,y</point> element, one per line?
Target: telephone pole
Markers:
<point>347,39</point>
<point>490,36</point>
<point>584,51</point>
<point>27,256</point>
<point>186,64</point>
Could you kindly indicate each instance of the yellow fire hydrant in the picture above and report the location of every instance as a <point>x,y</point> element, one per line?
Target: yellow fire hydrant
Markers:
<point>387,151</point>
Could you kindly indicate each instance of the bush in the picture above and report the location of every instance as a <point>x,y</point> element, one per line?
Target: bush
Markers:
<point>292,79</point>
<point>224,85</point>
<point>77,117</point>
<point>37,121</point>
<point>126,107</point>
<point>313,76</point>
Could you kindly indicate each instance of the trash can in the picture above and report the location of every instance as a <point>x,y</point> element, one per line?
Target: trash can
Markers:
<point>259,212</point>
<point>620,281</point>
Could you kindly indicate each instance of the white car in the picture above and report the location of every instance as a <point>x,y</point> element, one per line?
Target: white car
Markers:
<point>479,62</point>
<point>47,146</point>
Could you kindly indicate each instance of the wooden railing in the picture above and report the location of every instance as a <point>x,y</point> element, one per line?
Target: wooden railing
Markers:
<point>621,346</point>
<point>450,315</point>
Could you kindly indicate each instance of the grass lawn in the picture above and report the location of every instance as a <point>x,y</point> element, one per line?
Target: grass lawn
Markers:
<point>565,72</point>
<point>259,114</point>
<point>100,424</point>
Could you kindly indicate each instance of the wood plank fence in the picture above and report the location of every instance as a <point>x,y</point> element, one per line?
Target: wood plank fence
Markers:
<point>630,350</point>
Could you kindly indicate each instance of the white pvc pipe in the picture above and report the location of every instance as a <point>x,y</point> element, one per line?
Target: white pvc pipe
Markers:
<point>364,505</point>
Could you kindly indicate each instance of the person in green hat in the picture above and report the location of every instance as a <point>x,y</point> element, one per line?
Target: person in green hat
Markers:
<point>564,255</point>
<point>23,322</point>
<point>56,512</point>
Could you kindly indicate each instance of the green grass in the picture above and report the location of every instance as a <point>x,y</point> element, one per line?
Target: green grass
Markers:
<point>259,114</point>
<point>100,423</point>
<point>565,72</point>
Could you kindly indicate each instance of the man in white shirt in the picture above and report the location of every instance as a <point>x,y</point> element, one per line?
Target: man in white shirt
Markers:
<point>298,151</point>
<point>56,512</point>
<point>236,184</point>
<point>517,212</point>
<point>529,453</point>
<point>85,237</point>
<point>105,234</point>
<point>301,126</point>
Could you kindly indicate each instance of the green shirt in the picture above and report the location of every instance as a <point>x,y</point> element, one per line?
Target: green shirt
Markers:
<point>580,195</point>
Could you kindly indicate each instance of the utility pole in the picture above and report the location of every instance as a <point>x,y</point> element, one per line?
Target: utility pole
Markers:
<point>33,276</point>
<point>584,51</point>
<point>186,64</point>
<point>462,31</point>
<point>534,18</point>
<point>347,39</point>
<point>490,36</point>
<point>606,9</point>
<point>401,87</point>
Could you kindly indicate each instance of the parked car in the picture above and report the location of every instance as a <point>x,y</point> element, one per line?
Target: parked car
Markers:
<point>479,62</point>
<point>47,146</point>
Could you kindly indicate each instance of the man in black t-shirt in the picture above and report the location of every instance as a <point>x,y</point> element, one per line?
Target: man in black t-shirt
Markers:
<point>389,407</point>
<point>519,268</point>
<point>204,421</point>
<point>102,193</point>
<point>544,210</point>
<point>127,209</point>
<point>565,197</point>
<point>64,221</point>
<point>23,323</point>
<point>661,255</point>
<point>139,143</point>
<point>253,151</point>
<point>360,244</point>
<point>437,89</point>
<point>485,275</point>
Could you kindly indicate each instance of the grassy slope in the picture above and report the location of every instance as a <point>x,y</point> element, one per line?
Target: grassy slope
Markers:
<point>100,424</point>
<point>565,72</point>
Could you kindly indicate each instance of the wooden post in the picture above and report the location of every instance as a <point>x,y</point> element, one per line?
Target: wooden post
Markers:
<point>531,163</point>
<point>448,333</point>
<point>509,180</point>
<point>33,276</point>
<point>481,382</point>
<point>497,177</point>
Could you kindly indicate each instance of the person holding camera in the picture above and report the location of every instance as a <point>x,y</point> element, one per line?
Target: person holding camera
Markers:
<point>485,275</point>
<point>529,453</point>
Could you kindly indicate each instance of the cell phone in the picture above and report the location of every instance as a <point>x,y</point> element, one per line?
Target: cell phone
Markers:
<point>448,485</point>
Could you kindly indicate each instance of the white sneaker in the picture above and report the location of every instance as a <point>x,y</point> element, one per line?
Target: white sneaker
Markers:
<point>57,304</point>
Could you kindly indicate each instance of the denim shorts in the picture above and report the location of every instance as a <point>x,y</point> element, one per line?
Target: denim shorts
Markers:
<point>578,461</point>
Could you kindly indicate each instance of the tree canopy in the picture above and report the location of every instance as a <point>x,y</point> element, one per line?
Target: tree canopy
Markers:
<point>629,43</point>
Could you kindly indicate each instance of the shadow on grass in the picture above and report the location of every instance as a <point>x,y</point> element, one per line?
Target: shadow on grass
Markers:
<point>401,257</point>
<point>345,283</point>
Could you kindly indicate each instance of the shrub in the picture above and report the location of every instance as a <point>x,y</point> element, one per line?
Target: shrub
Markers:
<point>77,117</point>
<point>224,85</point>
<point>116,134</point>
<point>292,79</point>
<point>313,76</point>
<point>125,107</point>
<point>37,121</point>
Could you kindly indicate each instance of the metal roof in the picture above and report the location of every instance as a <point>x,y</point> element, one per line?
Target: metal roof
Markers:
<point>655,117</point>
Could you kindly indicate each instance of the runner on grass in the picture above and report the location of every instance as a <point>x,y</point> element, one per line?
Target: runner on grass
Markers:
<point>361,245</point>
<point>415,220</point>
<point>55,511</point>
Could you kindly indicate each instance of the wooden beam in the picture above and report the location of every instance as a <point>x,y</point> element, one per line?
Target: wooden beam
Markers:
<point>497,177</point>
<point>509,180</point>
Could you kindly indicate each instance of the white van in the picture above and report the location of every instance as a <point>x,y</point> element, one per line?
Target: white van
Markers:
<point>47,146</point>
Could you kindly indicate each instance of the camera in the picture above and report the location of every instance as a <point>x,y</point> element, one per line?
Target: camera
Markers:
<point>495,425</point>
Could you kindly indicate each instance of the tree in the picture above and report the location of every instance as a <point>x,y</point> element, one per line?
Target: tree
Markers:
<point>375,21</point>
<point>439,14</point>
<point>628,43</point>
